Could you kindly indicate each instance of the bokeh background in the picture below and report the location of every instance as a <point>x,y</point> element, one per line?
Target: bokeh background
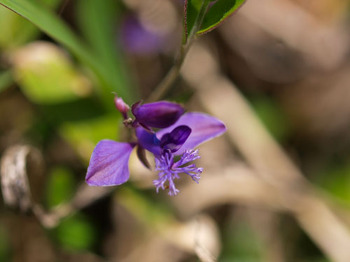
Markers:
<point>275,187</point>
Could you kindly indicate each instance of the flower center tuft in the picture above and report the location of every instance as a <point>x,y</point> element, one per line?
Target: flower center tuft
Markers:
<point>170,170</point>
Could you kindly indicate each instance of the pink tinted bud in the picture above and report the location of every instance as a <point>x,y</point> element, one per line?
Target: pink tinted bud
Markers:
<point>121,106</point>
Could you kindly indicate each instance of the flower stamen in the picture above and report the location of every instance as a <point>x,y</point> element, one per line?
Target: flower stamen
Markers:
<point>170,170</point>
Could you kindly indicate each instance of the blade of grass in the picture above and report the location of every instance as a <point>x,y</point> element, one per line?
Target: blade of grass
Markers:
<point>53,26</point>
<point>97,21</point>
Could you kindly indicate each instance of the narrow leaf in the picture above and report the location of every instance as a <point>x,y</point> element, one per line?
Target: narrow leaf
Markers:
<point>97,22</point>
<point>218,11</point>
<point>15,30</point>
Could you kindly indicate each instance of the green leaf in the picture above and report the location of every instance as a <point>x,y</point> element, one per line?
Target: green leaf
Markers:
<point>220,10</point>
<point>46,75</point>
<point>5,80</point>
<point>97,22</point>
<point>336,180</point>
<point>84,135</point>
<point>52,25</point>
<point>75,233</point>
<point>60,187</point>
<point>16,30</point>
<point>49,23</point>
<point>192,8</point>
<point>216,14</point>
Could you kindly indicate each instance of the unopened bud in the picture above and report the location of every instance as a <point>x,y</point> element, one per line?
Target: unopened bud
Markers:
<point>158,114</point>
<point>121,106</point>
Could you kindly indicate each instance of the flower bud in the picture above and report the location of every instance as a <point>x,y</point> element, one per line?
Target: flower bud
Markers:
<point>158,114</point>
<point>121,106</point>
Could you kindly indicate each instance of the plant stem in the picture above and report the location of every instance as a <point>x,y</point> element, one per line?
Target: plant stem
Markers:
<point>164,86</point>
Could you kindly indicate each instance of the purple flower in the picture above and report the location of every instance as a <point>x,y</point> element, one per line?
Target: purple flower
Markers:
<point>173,146</point>
<point>139,40</point>
<point>158,114</point>
<point>109,163</point>
<point>180,140</point>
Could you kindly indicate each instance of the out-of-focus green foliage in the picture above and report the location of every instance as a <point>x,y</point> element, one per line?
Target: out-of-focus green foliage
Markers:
<point>84,135</point>
<point>4,245</point>
<point>55,27</point>
<point>272,116</point>
<point>97,22</point>
<point>155,215</point>
<point>241,244</point>
<point>60,186</point>
<point>15,30</point>
<point>75,233</point>
<point>47,76</point>
<point>336,180</point>
<point>5,79</point>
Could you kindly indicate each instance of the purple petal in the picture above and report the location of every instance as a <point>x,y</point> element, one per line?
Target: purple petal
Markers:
<point>137,39</point>
<point>175,139</point>
<point>148,141</point>
<point>203,126</point>
<point>159,114</point>
<point>109,164</point>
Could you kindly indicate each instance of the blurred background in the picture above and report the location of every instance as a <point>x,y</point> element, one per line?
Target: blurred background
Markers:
<point>275,187</point>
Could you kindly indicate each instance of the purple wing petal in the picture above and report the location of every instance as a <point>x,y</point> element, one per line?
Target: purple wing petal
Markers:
<point>158,114</point>
<point>109,164</point>
<point>148,141</point>
<point>203,126</point>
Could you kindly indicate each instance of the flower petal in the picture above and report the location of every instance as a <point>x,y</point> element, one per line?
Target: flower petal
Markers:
<point>204,127</point>
<point>148,141</point>
<point>175,139</point>
<point>137,39</point>
<point>109,164</point>
<point>159,114</point>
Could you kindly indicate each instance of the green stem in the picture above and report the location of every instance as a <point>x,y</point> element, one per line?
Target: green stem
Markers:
<point>164,86</point>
